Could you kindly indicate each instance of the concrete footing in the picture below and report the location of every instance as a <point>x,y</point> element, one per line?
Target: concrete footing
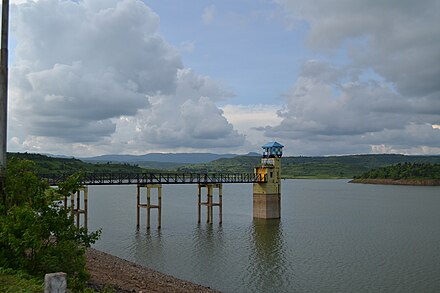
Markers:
<point>55,283</point>
<point>267,206</point>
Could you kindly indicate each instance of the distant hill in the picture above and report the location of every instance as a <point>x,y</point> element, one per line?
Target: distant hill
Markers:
<point>47,165</point>
<point>179,158</point>
<point>313,167</point>
<point>292,167</point>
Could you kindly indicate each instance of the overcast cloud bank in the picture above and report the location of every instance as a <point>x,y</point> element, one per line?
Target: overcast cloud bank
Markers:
<point>92,77</point>
<point>84,67</point>
<point>385,97</point>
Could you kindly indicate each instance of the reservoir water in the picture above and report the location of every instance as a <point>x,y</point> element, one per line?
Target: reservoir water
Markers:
<point>333,237</point>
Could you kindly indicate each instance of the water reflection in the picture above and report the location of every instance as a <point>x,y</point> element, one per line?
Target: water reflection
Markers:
<point>267,266</point>
<point>208,253</point>
<point>333,237</point>
<point>146,247</point>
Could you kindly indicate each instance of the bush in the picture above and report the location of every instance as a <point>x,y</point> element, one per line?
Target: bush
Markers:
<point>16,281</point>
<point>37,235</point>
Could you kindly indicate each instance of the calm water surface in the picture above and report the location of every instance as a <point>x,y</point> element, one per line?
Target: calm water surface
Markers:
<point>333,237</point>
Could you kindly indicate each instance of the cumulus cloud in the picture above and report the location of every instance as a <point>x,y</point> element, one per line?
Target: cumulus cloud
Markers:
<point>192,118</point>
<point>208,14</point>
<point>81,66</point>
<point>387,94</point>
<point>250,119</point>
<point>84,63</point>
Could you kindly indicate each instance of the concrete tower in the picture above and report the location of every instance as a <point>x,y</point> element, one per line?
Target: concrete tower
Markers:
<point>267,195</point>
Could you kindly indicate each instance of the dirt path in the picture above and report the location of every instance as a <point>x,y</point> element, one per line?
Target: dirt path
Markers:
<point>125,276</point>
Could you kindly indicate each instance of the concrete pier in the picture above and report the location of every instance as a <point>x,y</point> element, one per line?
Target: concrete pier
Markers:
<point>76,210</point>
<point>267,194</point>
<point>210,202</point>
<point>148,205</point>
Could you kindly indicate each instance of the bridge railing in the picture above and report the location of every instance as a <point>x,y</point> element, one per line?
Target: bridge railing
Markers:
<point>156,178</point>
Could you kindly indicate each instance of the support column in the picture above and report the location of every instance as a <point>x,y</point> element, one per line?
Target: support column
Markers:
<point>220,201</point>
<point>75,210</point>
<point>267,193</point>
<point>199,202</point>
<point>148,205</point>
<point>78,206</point>
<point>159,207</point>
<point>86,203</point>
<point>209,204</point>
<point>210,201</point>
<point>72,205</point>
<point>138,208</point>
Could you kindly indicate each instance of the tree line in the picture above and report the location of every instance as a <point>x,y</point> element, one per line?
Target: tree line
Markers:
<point>404,171</point>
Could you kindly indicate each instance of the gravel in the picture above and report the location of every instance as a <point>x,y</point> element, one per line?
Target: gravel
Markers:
<point>108,271</point>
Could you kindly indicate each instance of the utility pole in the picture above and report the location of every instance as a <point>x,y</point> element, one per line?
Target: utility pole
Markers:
<point>3,95</point>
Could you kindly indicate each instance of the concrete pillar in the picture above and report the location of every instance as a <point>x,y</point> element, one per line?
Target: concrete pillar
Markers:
<point>220,203</point>
<point>199,203</point>
<point>159,206</point>
<point>210,203</point>
<point>86,205</point>
<point>78,206</point>
<point>148,205</point>
<point>267,194</point>
<point>138,202</point>
<point>55,283</point>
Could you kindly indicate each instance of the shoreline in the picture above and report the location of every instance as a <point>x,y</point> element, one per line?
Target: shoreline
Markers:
<point>413,182</point>
<point>108,271</point>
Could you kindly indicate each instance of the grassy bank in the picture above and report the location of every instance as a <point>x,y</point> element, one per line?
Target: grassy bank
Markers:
<point>16,281</point>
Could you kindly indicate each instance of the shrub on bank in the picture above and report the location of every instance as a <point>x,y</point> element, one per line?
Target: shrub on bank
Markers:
<point>37,235</point>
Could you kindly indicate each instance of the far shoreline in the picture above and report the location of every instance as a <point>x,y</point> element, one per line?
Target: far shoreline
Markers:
<point>412,182</point>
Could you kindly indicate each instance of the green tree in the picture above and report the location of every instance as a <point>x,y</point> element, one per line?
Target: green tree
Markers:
<point>37,235</point>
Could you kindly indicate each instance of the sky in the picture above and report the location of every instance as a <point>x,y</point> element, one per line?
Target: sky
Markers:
<point>93,77</point>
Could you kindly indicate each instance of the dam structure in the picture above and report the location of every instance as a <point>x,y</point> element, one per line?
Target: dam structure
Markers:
<point>267,193</point>
<point>265,179</point>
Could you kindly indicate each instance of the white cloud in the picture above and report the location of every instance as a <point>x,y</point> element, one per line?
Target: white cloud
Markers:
<point>189,118</point>
<point>96,76</point>
<point>187,46</point>
<point>387,94</point>
<point>249,119</point>
<point>209,14</point>
<point>399,40</point>
<point>83,64</point>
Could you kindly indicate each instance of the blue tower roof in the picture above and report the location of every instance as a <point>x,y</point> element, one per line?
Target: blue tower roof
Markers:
<point>273,150</point>
<point>272,144</point>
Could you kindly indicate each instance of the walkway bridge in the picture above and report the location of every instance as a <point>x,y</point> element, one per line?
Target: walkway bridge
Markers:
<point>266,181</point>
<point>208,181</point>
<point>124,178</point>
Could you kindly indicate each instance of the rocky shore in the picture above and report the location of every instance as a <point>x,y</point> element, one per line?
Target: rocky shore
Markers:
<point>108,271</point>
<point>417,182</point>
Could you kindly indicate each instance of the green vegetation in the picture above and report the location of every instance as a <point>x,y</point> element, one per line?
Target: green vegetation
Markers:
<point>312,167</point>
<point>17,281</point>
<point>48,165</point>
<point>240,164</point>
<point>37,236</point>
<point>404,171</point>
<point>292,167</point>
